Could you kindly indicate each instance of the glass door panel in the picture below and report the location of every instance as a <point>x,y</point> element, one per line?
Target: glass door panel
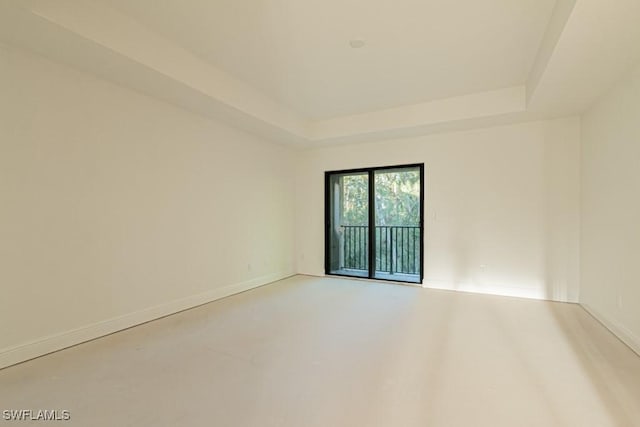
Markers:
<point>348,224</point>
<point>397,224</point>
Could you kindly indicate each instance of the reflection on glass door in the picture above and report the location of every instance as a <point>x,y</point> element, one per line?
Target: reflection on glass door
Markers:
<point>348,224</point>
<point>380,205</point>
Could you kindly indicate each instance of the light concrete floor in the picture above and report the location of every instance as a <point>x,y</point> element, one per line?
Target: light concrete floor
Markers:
<point>336,352</point>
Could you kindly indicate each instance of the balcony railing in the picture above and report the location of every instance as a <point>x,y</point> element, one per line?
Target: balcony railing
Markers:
<point>397,248</point>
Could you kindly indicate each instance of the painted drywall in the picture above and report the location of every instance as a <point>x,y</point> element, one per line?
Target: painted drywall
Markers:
<point>116,208</point>
<point>501,206</point>
<point>610,234</point>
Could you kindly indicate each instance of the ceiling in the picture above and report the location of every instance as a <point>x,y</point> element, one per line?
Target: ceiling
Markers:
<point>298,52</point>
<point>283,69</point>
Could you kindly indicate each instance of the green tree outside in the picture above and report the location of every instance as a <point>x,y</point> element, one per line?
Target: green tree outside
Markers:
<point>397,199</point>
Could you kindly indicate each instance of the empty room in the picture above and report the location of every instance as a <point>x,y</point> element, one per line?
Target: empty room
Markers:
<point>320,213</point>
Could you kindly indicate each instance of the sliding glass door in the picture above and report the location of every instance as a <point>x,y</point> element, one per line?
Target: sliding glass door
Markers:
<point>374,219</point>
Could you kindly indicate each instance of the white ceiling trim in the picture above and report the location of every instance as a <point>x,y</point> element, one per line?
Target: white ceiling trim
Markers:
<point>599,42</point>
<point>455,109</point>
<point>558,20</point>
<point>90,36</point>
<point>124,36</point>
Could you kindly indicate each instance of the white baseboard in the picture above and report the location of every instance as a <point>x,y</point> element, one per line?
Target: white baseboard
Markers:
<point>620,331</point>
<point>527,292</point>
<point>503,291</point>
<point>40,347</point>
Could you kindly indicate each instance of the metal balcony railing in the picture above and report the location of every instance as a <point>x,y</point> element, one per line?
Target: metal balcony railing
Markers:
<point>397,248</point>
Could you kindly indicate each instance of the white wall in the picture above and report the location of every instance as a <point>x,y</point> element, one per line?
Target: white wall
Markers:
<point>502,206</point>
<point>610,247</point>
<point>116,208</point>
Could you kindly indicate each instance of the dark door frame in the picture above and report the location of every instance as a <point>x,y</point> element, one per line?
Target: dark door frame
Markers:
<point>370,171</point>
